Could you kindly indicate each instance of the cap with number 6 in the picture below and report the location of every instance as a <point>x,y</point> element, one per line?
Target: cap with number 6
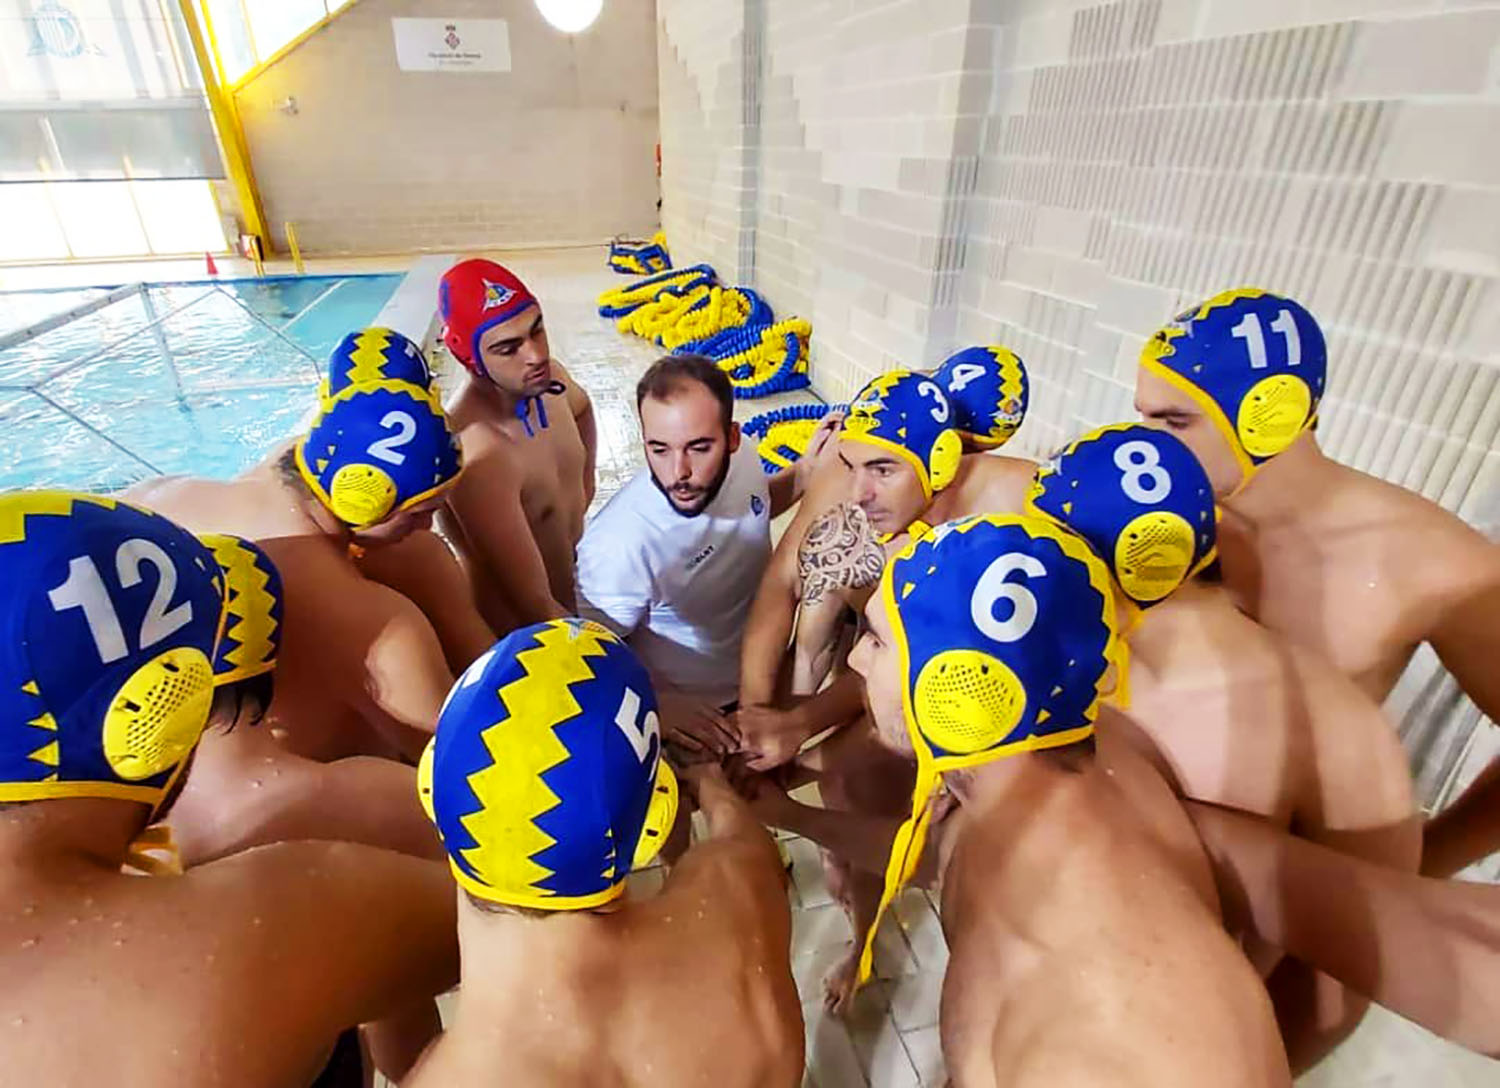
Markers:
<point>989,390</point>
<point>1006,633</point>
<point>111,614</point>
<point>378,448</point>
<point>545,777</point>
<point>1254,362</point>
<point>1141,500</point>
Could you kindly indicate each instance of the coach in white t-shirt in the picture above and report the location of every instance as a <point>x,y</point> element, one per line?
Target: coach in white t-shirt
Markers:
<point>674,559</point>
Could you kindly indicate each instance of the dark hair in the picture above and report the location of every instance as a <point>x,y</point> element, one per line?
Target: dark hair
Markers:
<point>671,373</point>
<point>230,700</point>
<point>286,468</point>
<point>489,906</point>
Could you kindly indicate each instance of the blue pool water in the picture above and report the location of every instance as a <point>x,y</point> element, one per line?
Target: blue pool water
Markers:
<point>198,378</point>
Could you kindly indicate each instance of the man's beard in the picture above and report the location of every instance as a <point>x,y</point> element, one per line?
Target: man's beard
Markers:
<point>709,495</point>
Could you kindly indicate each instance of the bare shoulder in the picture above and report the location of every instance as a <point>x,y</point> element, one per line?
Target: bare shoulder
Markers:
<point>1426,538</point>
<point>993,483</point>
<point>327,912</point>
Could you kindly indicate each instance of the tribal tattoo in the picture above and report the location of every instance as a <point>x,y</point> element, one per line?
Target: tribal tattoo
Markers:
<point>839,551</point>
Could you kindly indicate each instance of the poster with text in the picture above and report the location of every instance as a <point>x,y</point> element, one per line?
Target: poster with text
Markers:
<point>452,45</point>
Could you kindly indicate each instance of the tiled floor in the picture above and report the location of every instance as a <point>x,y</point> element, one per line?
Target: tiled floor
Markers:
<point>890,1040</point>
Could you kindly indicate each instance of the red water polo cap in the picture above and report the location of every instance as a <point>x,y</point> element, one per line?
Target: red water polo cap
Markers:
<point>475,296</point>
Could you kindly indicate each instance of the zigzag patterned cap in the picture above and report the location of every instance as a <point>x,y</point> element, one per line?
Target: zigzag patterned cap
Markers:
<point>545,778</point>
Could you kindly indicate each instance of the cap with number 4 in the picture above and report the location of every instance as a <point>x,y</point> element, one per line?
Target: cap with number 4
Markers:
<point>1006,634</point>
<point>545,777</point>
<point>1141,500</point>
<point>989,390</point>
<point>111,614</point>
<point>378,448</point>
<point>1253,361</point>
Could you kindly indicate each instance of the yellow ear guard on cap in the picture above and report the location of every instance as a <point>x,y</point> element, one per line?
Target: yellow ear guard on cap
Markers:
<point>157,716</point>
<point>944,460</point>
<point>1154,555</point>
<point>659,817</point>
<point>968,700</point>
<point>361,494</point>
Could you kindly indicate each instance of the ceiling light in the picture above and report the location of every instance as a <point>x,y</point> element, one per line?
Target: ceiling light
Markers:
<point>570,16</point>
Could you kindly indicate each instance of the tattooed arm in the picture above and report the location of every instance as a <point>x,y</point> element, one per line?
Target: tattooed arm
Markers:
<point>838,559</point>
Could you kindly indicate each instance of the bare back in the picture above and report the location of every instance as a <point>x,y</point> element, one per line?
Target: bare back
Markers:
<point>333,698</point>
<point>1235,717</point>
<point>517,483</point>
<point>1086,945</point>
<point>691,986</point>
<point>140,982</point>
<point>1365,574</point>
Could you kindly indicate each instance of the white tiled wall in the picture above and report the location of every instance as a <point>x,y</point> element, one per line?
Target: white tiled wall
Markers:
<point>1062,176</point>
<point>560,149</point>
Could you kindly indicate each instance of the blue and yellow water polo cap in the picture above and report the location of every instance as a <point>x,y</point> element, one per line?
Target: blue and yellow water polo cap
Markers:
<point>1141,500</point>
<point>1255,363</point>
<point>110,617</point>
<point>546,778</point>
<point>1006,634</point>
<point>378,448</point>
<point>989,391</point>
<point>252,609</point>
<point>907,414</point>
<point>373,355</point>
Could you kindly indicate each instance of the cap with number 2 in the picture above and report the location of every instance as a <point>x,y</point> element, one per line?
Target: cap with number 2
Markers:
<point>378,448</point>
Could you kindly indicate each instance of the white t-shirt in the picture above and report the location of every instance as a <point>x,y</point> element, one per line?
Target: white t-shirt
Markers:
<point>678,589</point>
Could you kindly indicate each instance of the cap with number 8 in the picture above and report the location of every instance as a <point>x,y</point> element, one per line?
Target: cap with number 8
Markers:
<point>378,448</point>
<point>1254,362</point>
<point>545,777</point>
<point>1141,500</point>
<point>1006,633</point>
<point>111,614</point>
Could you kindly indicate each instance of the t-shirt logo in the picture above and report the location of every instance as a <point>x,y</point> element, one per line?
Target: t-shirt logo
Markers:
<point>496,294</point>
<point>756,506</point>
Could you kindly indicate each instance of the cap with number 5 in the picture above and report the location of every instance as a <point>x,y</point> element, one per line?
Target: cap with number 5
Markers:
<point>1254,362</point>
<point>377,448</point>
<point>989,390</point>
<point>111,614</point>
<point>545,777</point>
<point>1141,500</point>
<point>1006,633</point>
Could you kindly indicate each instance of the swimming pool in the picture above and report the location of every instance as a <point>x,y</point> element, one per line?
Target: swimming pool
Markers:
<point>197,378</point>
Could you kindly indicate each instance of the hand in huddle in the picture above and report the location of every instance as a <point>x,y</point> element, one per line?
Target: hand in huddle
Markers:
<point>694,732</point>
<point>769,737</point>
<point>764,793</point>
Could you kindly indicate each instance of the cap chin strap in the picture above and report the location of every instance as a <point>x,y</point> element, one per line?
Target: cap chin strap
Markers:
<point>523,407</point>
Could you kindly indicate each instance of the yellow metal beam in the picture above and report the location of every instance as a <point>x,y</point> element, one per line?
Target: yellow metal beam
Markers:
<point>227,123</point>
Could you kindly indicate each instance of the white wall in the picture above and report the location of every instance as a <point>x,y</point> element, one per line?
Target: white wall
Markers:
<point>561,149</point>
